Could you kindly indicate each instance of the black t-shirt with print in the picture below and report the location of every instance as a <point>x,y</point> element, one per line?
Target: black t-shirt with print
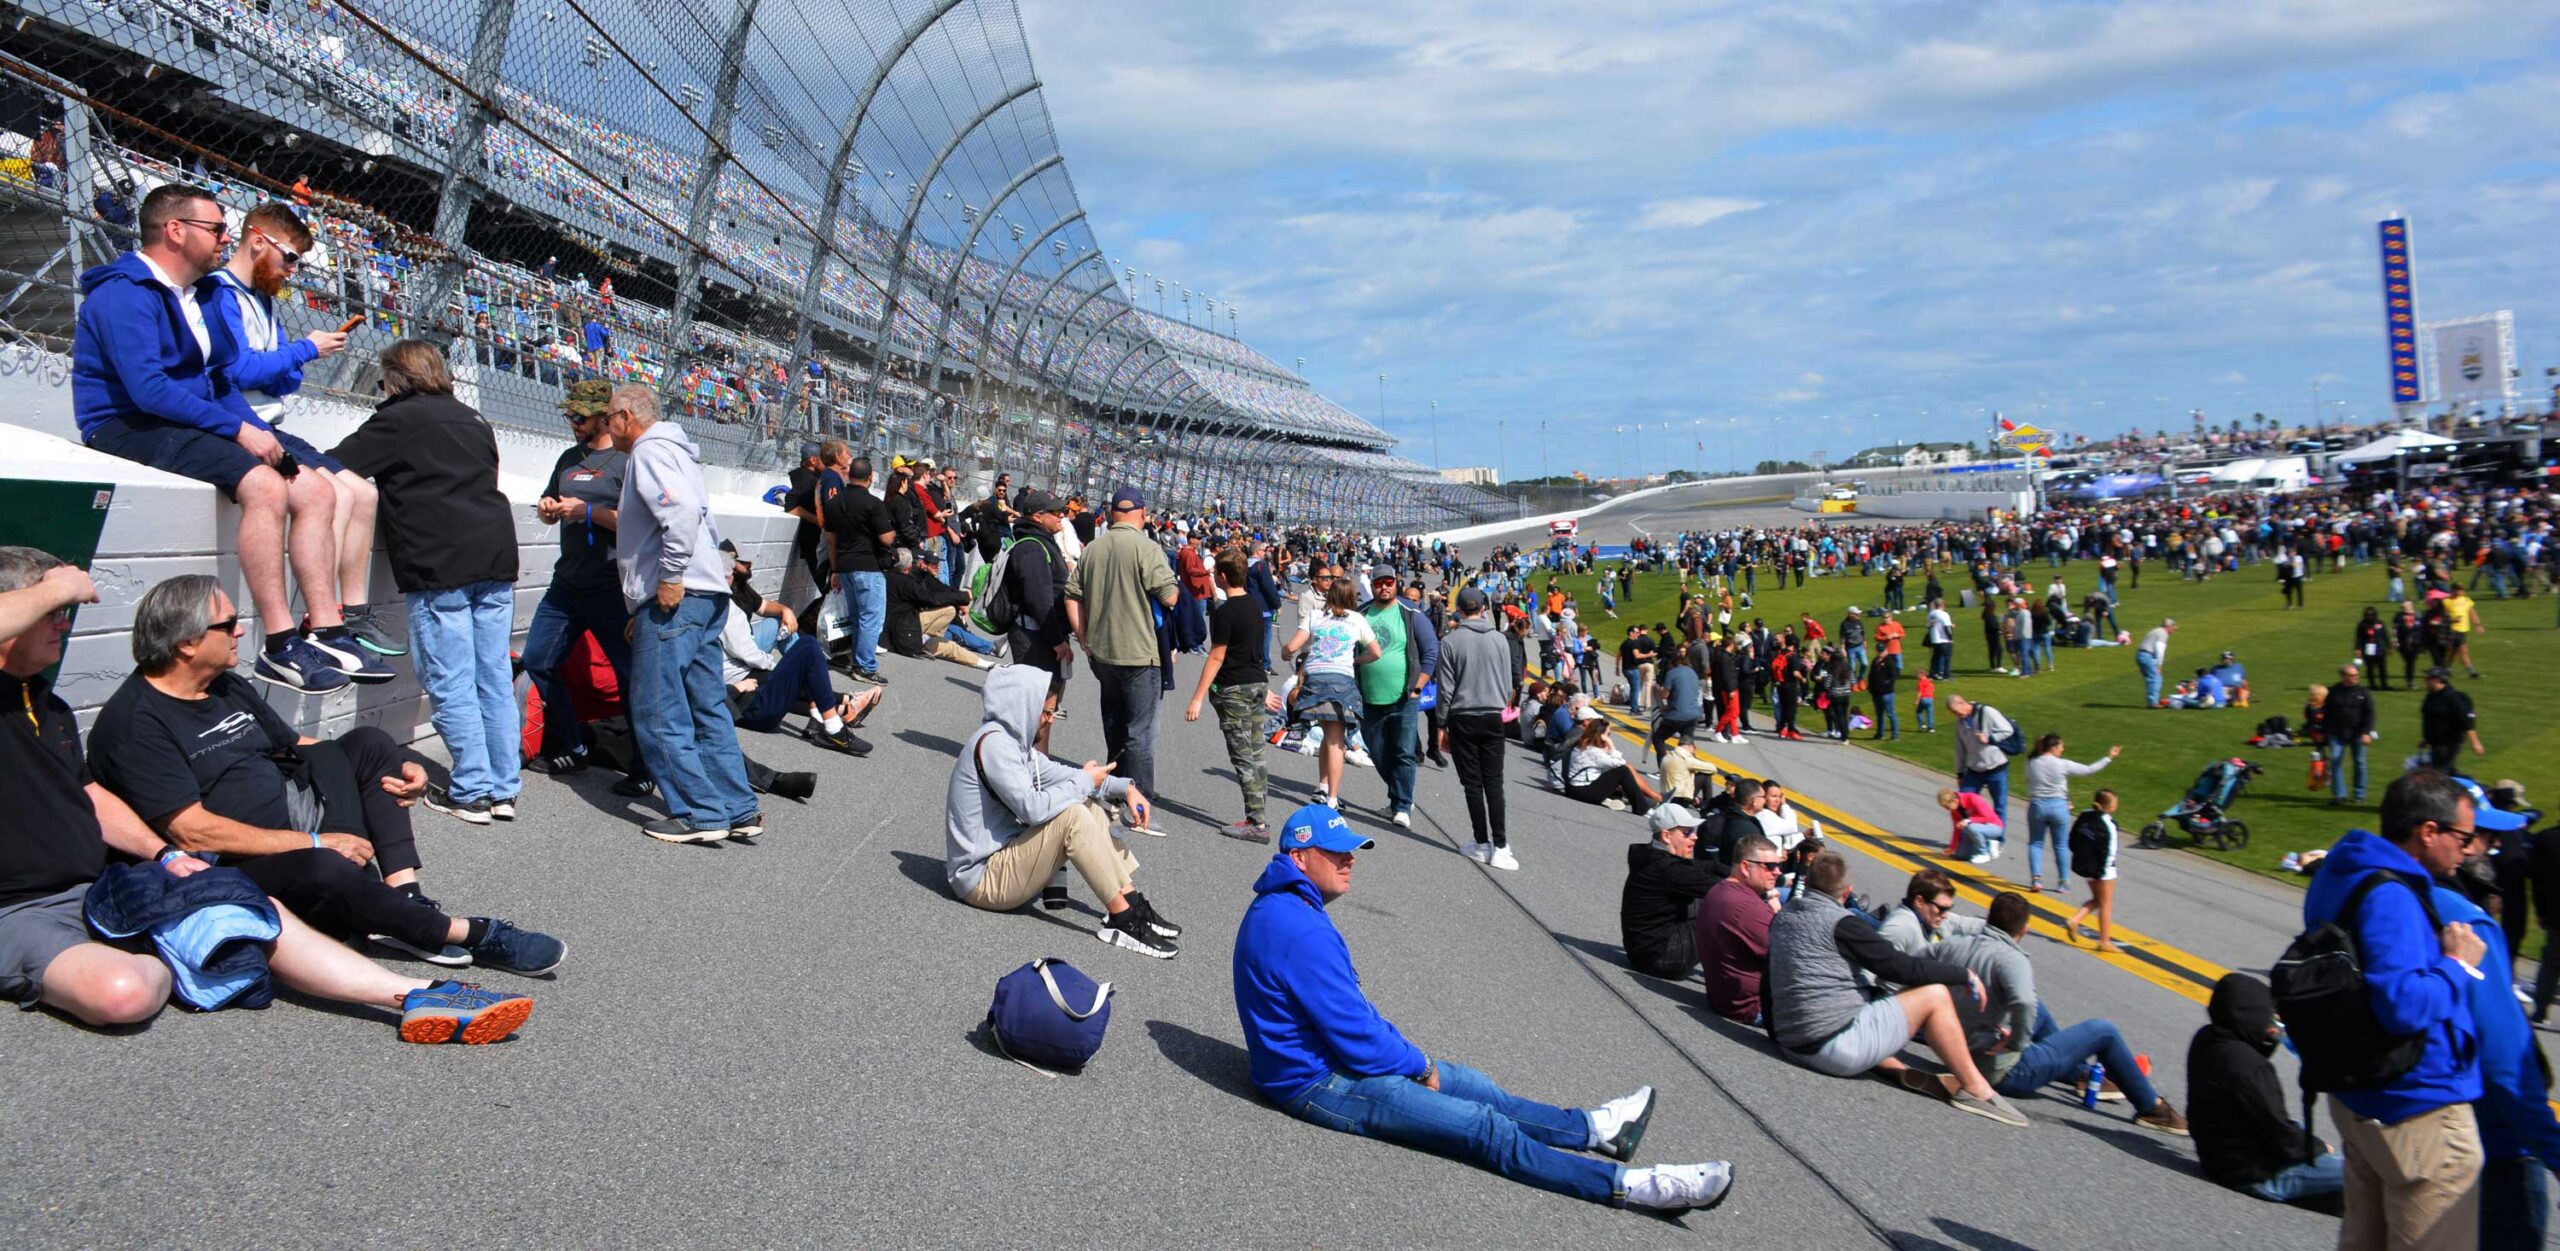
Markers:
<point>49,840</point>
<point>593,475</point>
<point>160,753</point>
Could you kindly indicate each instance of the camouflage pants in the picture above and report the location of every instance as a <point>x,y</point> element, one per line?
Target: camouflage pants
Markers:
<point>1240,715</point>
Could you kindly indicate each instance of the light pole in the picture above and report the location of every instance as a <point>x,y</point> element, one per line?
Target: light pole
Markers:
<point>1435,434</point>
<point>1698,443</point>
<point>1382,401</point>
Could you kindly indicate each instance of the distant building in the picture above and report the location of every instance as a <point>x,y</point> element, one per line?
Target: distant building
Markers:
<point>1911,455</point>
<point>1474,475</point>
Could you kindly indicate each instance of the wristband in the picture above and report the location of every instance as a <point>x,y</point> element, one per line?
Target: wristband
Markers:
<point>315,840</point>
<point>168,854</point>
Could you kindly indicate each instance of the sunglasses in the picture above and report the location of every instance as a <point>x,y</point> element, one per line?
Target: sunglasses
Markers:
<point>292,259</point>
<point>228,625</point>
<point>218,228</point>
<point>1771,865</point>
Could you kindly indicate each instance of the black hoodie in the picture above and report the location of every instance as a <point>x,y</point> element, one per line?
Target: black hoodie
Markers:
<point>1661,897</point>
<point>2244,1130</point>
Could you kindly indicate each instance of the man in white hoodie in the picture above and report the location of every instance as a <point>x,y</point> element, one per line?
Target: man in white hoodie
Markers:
<point>675,580</point>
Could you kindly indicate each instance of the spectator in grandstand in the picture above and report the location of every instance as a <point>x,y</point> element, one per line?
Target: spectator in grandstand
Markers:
<point>1112,596</point>
<point>1984,739</point>
<point>924,614</point>
<point>675,582</point>
<point>1013,816</point>
<point>265,368</point>
<point>1391,688</point>
<point>322,825</point>
<point>148,384</point>
<point>597,341</point>
<point>1597,773</point>
<point>2246,1134</point>
<point>864,540</point>
<point>453,555</point>
<point>64,826</point>
<point>1822,1017</point>
<point>773,669</point>
<point>2029,1051</point>
<point>1234,681</point>
<point>585,595</point>
<point>1476,680</point>
<point>1323,1053</point>
<point>1733,931</point>
<point>1657,923</point>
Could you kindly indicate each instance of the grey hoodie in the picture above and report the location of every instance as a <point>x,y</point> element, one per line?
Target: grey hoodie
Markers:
<point>1475,667</point>
<point>666,532</point>
<point>1001,786</point>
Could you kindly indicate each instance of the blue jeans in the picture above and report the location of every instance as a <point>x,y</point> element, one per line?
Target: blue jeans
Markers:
<point>1979,837</point>
<point>1130,694</point>
<point>955,563</point>
<point>961,634</point>
<point>680,712</point>
<point>1942,661</point>
<point>2150,667</point>
<point>867,596</point>
<point>1471,1120</point>
<point>2311,1179</point>
<point>1888,719</point>
<point>2515,1204</point>
<point>1991,784</point>
<point>461,636</point>
<point>799,681</point>
<point>1389,730</point>
<point>1925,715</point>
<point>1857,658</point>
<point>2340,755</point>
<point>2057,1054</point>
<point>558,620</point>
<point>2048,820</point>
<point>2024,652</point>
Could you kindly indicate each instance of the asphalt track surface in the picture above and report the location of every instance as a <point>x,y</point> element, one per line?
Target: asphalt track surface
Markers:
<point>773,1045</point>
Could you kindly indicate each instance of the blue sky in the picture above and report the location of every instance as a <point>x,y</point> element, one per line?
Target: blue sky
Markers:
<point>1816,224</point>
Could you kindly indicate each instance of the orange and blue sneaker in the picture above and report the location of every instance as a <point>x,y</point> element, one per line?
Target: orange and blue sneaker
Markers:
<point>448,1011</point>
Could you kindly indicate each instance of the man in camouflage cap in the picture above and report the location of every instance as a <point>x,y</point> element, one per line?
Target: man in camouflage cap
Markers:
<point>585,595</point>
<point>587,397</point>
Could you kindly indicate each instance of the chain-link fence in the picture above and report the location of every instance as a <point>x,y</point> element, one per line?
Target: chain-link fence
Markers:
<point>792,219</point>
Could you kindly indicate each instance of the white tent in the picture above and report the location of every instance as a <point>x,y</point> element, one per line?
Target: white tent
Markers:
<point>2391,445</point>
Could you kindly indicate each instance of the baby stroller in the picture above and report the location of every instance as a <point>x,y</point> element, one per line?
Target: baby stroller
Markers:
<point>2200,814</point>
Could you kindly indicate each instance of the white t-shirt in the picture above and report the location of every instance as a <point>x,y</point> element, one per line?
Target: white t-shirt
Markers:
<point>1334,642</point>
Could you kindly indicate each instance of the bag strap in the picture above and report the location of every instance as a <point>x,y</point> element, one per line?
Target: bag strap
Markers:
<point>1101,993</point>
<point>2355,898</point>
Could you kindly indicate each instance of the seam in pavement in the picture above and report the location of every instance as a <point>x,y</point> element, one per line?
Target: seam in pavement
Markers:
<point>1583,962</point>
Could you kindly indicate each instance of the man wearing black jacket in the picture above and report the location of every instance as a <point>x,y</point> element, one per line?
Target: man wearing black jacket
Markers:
<point>921,607</point>
<point>2246,1135</point>
<point>1739,820</point>
<point>1036,580</point>
<point>2350,729</point>
<point>1665,880</point>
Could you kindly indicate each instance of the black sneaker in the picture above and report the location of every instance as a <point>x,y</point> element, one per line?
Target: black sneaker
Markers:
<point>296,663</point>
<point>1053,897</point>
<point>366,625</point>
<point>475,811</point>
<point>446,954</point>
<point>1155,920</point>
<point>560,765</point>
<point>794,785</point>
<point>1128,928</point>
<point>674,830</point>
<point>517,951</point>
<point>340,645</point>
<point>631,787</point>
<point>871,676</point>
<point>503,809</point>
<point>844,740</point>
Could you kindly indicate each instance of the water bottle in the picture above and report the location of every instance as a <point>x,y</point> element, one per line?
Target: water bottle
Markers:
<point>2097,1080</point>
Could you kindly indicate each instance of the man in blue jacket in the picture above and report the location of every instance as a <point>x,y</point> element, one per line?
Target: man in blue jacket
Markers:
<point>2413,1152</point>
<point>1324,1055</point>
<point>2519,1135</point>
<point>147,384</point>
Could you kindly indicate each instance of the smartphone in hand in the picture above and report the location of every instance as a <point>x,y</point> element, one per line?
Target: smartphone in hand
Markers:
<point>348,327</point>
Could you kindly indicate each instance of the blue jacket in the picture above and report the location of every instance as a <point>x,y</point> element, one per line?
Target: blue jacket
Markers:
<point>2414,986</point>
<point>133,355</point>
<point>1298,997</point>
<point>210,927</point>
<point>278,372</point>
<point>2515,1106</point>
<point>1264,588</point>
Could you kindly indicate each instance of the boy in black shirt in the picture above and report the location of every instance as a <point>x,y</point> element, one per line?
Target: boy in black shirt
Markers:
<point>1233,679</point>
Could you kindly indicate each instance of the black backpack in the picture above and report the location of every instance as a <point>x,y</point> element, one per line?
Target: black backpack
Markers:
<point>2320,992</point>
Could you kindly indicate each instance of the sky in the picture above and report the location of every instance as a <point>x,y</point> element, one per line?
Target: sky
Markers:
<point>1770,230</point>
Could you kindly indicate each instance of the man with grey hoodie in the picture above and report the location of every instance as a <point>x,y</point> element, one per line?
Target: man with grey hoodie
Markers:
<point>1012,815</point>
<point>675,580</point>
<point>1475,680</point>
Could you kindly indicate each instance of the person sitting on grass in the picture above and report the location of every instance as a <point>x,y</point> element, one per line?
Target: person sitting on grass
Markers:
<point>1013,815</point>
<point>1321,1052</point>
<point>1823,1017</point>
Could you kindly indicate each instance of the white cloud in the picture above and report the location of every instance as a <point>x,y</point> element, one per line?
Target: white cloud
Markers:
<point>1692,212</point>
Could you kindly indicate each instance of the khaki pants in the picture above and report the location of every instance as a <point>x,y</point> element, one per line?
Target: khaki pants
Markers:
<point>1080,836</point>
<point>2413,1186</point>
<point>934,621</point>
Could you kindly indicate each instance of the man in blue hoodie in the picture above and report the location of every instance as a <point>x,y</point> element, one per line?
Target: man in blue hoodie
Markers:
<point>148,385</point>
<point>2413,1146</point>
<point>1324,1055</point>
<point>2519,1135</point>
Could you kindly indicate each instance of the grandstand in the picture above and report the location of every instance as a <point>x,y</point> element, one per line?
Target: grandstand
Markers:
<point>848,220</point>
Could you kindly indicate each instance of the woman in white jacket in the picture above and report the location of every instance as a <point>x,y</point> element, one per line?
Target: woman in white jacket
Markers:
<point>1596,772</point>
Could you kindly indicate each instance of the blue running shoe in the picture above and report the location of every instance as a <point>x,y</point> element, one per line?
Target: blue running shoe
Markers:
<point>450,1010</point>
<point>349,656</point>
<point>518,951</point>
<point>366,625</point>
<point>299,665</point>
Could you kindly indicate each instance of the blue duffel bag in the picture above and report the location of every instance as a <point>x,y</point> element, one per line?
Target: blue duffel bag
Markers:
<point>1049,1015</point>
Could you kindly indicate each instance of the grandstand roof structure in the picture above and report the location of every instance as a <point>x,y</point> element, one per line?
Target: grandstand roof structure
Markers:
<point>848,217</point>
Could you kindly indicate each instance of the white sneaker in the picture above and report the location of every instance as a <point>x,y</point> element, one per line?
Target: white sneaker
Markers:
<point>1481,853</point>
<point>1403,818</point>
<point>1616,803</point>
<point>1984,858</point>
<point>1360,759</point>
<point>1618,1125</point>
<point>1503,859</point>
<point>1679,1187</point>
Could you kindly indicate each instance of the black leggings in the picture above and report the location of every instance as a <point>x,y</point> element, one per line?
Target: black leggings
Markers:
<point>336,895</point>
<point>1617,783</point>
<point>1475,747</point>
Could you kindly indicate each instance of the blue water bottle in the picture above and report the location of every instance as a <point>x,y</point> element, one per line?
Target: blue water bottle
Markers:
<point>2097,1080</point>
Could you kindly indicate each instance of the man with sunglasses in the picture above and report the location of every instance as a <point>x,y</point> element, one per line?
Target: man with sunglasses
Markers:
<point>1733,930</point>
<point>585,595</point>
<point>150,382</point>
<point>2412,1145</point>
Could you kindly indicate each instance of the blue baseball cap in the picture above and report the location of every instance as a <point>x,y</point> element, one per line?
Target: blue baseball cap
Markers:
<point>1127,497</point>
<point>1320,827</point>
<point>2484,817</point>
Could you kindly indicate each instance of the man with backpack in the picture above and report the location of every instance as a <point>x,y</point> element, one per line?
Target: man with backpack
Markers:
<point>2376,994</point>
<point>1027,594</point>
<point>1984,742</point>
